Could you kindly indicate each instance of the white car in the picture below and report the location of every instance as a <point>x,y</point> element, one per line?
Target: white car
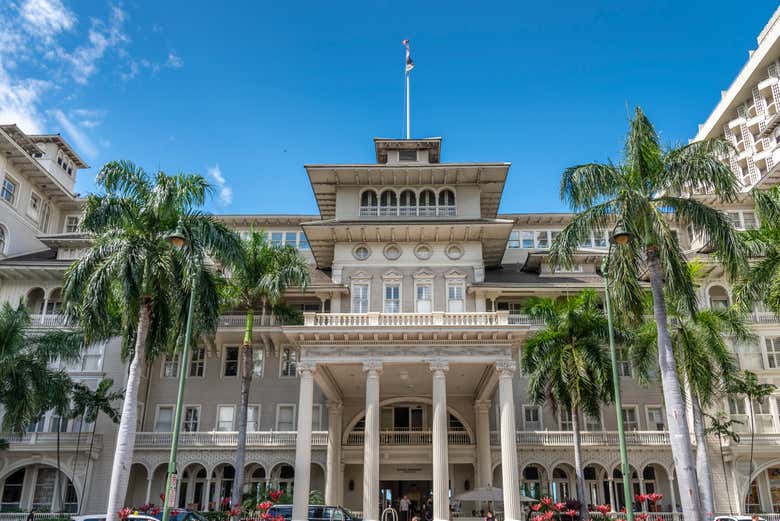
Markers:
<point>737,518</point>
<point>102,517</point>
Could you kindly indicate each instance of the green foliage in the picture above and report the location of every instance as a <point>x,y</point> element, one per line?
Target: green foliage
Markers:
<point>28,385</point>
<point>213,515</point>
<point>316,498</point>
<point>88,404</point>
<point>722,426</point>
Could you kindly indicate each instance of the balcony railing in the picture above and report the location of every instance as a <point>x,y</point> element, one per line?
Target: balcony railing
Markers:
<point>478,319</point>
<point>587,438</point>
<point>764,317</point>
<point>408,438</point>
<point>55,320</point>
<point>238,320</point>
<point>48,440</point>
<point>408,211</point>
<point>205,439</point>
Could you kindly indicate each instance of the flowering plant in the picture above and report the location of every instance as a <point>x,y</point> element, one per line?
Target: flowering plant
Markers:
<point>536,507</point>
<point>558,506</point>
<point>124,513</point>
<point>604,509</point>
<point>275,495</point>
<point>264,506</point>
<point>548,510</point>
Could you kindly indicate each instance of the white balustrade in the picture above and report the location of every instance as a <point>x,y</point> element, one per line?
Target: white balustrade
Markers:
<point>764,317</point>
<point>239,321</point>
<point>488,318</point>
<point>48,321</point>
<point>403,438</point>
<point>587,438</point>
<point>154,440</point>
<point>38,439</point>
<point>521,319</point>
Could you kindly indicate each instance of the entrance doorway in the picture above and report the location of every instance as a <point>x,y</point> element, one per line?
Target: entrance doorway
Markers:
<point>418,493</point>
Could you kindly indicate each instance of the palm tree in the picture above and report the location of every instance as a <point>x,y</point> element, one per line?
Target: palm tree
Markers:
<point>569,365</point>
<point>28,385</point>
<point>721,426</point>
<point>755,392</point>
<point>644,195</point>
<point>762,282</point>
<point>257,282</point>
<point>705,361</point>
<point>87,406</point>
<point>132,281</point>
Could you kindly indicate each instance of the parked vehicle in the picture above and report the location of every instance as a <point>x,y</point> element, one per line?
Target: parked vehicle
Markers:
<point>738,518</point>
<point>181,515</point>
<point>102,517</point>
<point>316,513</point>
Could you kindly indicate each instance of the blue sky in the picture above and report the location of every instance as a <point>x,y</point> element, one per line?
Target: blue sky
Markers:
<point>247,93</point>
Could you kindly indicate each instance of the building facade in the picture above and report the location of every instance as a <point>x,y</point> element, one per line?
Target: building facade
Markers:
<point>402,377</point>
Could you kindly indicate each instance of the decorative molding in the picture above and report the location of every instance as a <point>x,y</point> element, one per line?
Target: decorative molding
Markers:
<point>360,276</point>
<point>506,368</point>
<point>423,251</point>
<point>454,274</point>
<point>373,365</point>
<point>392,275</point>
<point>392,251</point>
<point>482,405</point>
<point>436,366</point>
<point>454,251</point>
<point>423,274</point>
<point>308,366</point>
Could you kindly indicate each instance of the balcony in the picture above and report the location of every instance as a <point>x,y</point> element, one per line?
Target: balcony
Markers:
<point>45,441</point>
<point>408,438</point>
<point>52,321</point>
<point>211,439</point>
<point>238,321</point>
<point>588,438</point>
<point>478,319</point>
<point>763,317</point>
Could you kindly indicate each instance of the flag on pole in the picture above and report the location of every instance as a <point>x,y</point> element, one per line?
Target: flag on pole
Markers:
<point>409,62</point>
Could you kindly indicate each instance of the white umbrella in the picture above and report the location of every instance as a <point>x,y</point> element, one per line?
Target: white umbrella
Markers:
<point>488,494</point>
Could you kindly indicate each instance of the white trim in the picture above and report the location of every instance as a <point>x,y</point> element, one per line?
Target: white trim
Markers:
<point>233,423</point>
<point>189,365</point>
<point>157,414</point>
<point>360,282</point>
<point>184,416</point>
<point>34,215</point>
<point>17,186</point>
<point>255,349</point>
<point>525,406</point>
<point>636,412</point>
<point>225,347</point>
<point>257,418</point>
<point>163,361</point>
<point>601,420</point>
<point>65,221</point>
<point>649,406</point>
<point>423,281</point>
<point>560,419</point>
<point>294,415</point>
<point>281,365</point>
<point>458,282</point>
<point>6,236</point>
<point>391,279</point>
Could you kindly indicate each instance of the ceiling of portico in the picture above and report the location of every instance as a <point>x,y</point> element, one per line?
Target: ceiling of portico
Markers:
<point>412,380</point>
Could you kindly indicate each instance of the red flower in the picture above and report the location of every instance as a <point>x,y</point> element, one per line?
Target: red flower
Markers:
<point>558,506</point>
<point>225,502</point>
<point>654,498</point>
<point>174,512</point>
<point>571,512</point>
<point>275,495</point>
<point>154,511</point>
<point>642,516</point>
<point>124,513</point>
<point>265,516</point>
<point>235,511</point>
<point>623,509</point>
<point>547,501</point>
<point>162,497</point>
<point>547,516</point>
<point>279,517</point>
<point>536,507</point>
<point>640,498</point>
<point>265,505</point>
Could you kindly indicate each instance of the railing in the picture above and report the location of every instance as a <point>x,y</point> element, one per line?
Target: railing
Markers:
<point>398,438</point>
<point>38,321</point>
<point>22,516</point>
<point>521,319</point>
<point>239,321</point>
<point>489,318</point>
<point>408,211</point>
<point>68,440</point>
<point>587,438</point>
<point>154,440</point>
<point>764,317</point>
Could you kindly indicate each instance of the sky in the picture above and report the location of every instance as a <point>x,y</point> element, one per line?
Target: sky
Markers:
<point>246,93</point>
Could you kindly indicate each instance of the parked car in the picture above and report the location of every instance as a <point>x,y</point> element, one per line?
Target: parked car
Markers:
<point>181,515</point>
<point>102,517</point>
<point>737,518</point>
<point>316,513</point>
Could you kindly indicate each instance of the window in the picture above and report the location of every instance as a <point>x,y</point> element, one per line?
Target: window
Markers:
<point>257,362</point>
<point>170,366</point>
<point>455,298</point>
<point>623,364</point>
<point>574,268</point>
<point>408,205</point>
<point>368,203</point>
<point>514,239</point>
<point>92,357</point>
<point>630,418</point>
<point>447,203</point>
<point>71,224</point>
<point>719,297</point>
<point>33,210</point>
<point>532,418</point>
<point>163,422</point>
<point>424,297</point>
<point>360,298</point>
<point>191,420</point>
<point>361,252</point>
<point>8,190</point>
<point>427,203</point>
<point>388,203</point>
<point>45,216</point>
<point>736,405</point>
<point>600,239</point>
<point>773,352</point>
<point>44,487</point>
<point>12,491</point>
<point>225,416</point>
<point>291,238</point>
<point>528,239</point>
<point>593,423</point>
<point>316,417</point>
<point>289,363</point>
<point>655,418</point>
<point>276,238</point>
<point>407,155</point>
<point>230,364</point>
<point>542,240</point>
<point>285,417</point>
<point>565,420</point>
<point>198,362</point>
<point>58,424</point>
<point>3,239</point>
<point>253,418</point>
<point>392,298</point>
<point>303,242</point>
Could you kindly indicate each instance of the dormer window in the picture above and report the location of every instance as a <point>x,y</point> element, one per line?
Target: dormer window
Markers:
<point>407,155</point>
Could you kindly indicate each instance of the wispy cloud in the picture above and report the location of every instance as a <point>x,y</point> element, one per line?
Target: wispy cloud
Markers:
<point>20,101</point>
<point>83,142</point>
<point>224,192</point>
<point>174,61</point>
<point>46,18</point>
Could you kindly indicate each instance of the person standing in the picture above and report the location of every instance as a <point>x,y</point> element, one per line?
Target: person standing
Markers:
<point>403,507</point>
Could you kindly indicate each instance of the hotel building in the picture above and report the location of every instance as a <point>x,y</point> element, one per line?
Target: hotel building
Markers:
<point>402,377</point>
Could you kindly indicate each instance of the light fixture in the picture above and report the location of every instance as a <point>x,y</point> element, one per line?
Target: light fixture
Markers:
<point>620,236</point>
<point>177,238</point>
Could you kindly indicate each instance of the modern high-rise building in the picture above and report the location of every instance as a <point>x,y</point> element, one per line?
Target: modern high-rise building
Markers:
<point>408,343</point>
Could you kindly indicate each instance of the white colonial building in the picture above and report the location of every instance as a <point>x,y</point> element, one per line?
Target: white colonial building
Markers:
<point>403,377</point>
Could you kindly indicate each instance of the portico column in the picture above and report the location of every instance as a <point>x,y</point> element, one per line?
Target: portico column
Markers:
<point>303,442</point>
<point>484,463</point>
<point>673,491</point>
<point>148,490</point>
<point>441,479</point>
<point>334,454</point>
<point>371,442</point>
<point>509,473</point>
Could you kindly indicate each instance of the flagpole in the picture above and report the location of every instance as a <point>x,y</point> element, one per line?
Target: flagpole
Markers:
<point>408,119</point>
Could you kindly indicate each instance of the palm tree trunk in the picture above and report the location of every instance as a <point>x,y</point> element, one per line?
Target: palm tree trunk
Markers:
<point>578,472</point>
<point>125,439</point>
<point>703,471</point>
<point>243,407</point>
<point>725,475</point>
<point>86,469</point>
<point>679,436</point>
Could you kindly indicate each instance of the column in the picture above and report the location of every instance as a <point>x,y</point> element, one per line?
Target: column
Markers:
<point>440,423</point>
<point>332,481</point>
<point>371,442</point>
<point>204,497</point>
<point>612,499</point>
<point>484,460</point>
<point>509,473</point>
<point>303,442</point>
<point>673,491</point>
<point>148,490</point>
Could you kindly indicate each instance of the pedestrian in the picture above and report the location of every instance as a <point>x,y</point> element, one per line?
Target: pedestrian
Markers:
<point>31,515</point>
<point>403,506</point>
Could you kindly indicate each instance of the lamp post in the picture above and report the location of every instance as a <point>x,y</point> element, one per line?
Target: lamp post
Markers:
<point>619,237</point>
<point>178,239</point>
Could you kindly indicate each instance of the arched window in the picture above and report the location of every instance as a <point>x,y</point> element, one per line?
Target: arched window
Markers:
<point>54,306</point>
<point>719,297</point>
<point>427,203</point>
<point>289,362</point>
<point>408,203</point>
<point>3,240</point>
<point>36,300</point>
<point>12,490</point>
<point>388,203</point>
<point>368,203</point>
<point>447,203</point>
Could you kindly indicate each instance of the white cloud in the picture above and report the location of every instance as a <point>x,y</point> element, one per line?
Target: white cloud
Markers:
<point>46,18</point>
<point>174,61</point>
<point>83,142</point>
<point>20,100</point>
<point>225,193</point>
<point>102,37</point>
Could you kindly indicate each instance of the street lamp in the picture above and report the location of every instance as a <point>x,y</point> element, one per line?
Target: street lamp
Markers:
<point>620,237</point>
<point>178,240</point>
